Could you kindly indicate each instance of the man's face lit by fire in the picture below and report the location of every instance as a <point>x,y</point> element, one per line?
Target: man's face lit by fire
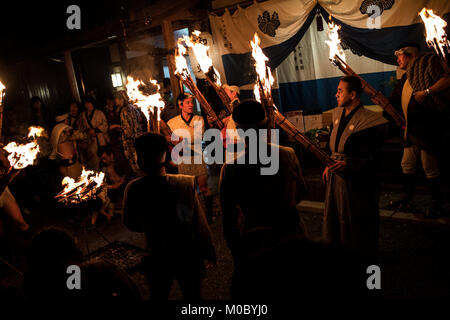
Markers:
<point>403,60</point>
<point>107,159</point>
<point>187,106</point>
<point>37,106</point>
<point>89,107</point>
<point>343,96</point>
<point>73,109</point>
<point>119,102</point>
<point>110,103</point>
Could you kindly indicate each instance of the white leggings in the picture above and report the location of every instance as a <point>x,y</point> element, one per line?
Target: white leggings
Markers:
<point>412,155</point>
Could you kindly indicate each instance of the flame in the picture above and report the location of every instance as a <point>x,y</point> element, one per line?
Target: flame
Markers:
<point>85,188</point>
<point>335,41</point>
<point>201,53</point>
<point>256,93</point>
<point>436,36</point>
<point>2,88</point>
<point>180,60</point>
<point>263,72</point>
<point>35,132</point>
<point>147,103</point>
<point>23,155</point>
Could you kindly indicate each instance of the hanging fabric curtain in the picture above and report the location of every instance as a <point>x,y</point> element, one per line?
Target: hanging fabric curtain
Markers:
<point>370,28</point>
<point>282,23</point>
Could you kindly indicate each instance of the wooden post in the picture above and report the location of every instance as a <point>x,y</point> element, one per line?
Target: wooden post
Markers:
<point>71,75</point>
<point>169,41</point>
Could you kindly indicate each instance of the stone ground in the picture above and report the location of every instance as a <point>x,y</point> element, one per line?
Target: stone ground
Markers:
<point>414,253</point>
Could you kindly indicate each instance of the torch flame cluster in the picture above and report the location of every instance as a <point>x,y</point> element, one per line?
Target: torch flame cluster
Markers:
<point>147,103</point>
<point>201,53</point>
<point>334,42</point>
<point>265,77</point>
<point>180,61</point>
<point>436,36</point>
<point>23,155</point>
<point>85,188</point>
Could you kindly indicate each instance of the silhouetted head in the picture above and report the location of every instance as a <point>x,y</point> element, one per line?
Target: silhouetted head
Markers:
<point>249,114</point>
<point>151,149</point>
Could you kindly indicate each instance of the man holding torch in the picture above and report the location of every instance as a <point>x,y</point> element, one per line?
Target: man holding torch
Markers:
<point>254,201</point>
<point>351,217</point>
<point>186,122</point>
<point>422,95</point>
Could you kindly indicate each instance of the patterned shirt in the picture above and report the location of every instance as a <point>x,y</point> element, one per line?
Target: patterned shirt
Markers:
<point>132,127</point>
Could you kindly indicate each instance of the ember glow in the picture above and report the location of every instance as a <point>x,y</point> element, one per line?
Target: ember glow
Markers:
<point>436,36</point>
<point>147,103</point>
<point>23,155</point>
<point>265,78</point>
<point>35,132</point>
<point>335,42</point>
<point>84,189</point>
<point>2,88</point>
<point>201,53</point>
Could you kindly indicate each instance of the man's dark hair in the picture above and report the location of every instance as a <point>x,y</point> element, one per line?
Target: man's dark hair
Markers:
<point>353,84</point>
<point>35,99</point>
<point>89,99</point>
<point>121,94</point>
<point>183,96</point>
<point>104,149</point>
<point>149,147</point>
<point>249,114</point>
<point>72,101</point>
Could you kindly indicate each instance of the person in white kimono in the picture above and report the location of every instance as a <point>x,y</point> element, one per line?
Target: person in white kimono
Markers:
<point>93,122</point>
<point>64,150</point>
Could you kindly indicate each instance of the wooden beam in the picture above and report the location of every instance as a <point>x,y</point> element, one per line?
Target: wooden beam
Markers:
<point>71,75</point>
<point>170,46</point>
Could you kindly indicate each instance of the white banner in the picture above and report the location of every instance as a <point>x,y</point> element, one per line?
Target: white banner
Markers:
<point>275,22</point>
<point>309,60</point>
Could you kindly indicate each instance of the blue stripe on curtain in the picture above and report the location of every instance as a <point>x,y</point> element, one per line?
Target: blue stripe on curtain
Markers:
<point>239,68</point>
<point>380,44</point>
<point>316,96</point>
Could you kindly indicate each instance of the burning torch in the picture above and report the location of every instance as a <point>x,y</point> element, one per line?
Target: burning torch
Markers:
<point>182,72</point>
<point>87,187</point>
<point>21,156</point>
<point>436,36</point>
<point>264,81</point>
<point>337,57</point>
<point>205,62</point>
<point>263,93</point>
<point>150,104</point>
